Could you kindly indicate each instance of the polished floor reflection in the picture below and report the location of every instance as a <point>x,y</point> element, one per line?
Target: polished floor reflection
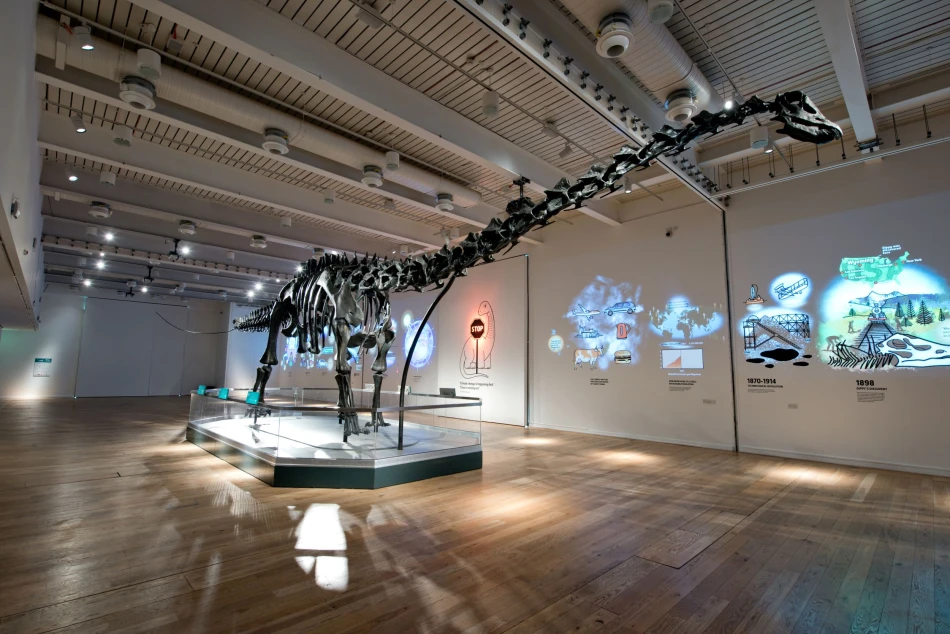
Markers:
<point>110,521</point>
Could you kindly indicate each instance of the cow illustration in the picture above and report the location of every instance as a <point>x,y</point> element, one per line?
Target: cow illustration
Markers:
<point>587,356</point>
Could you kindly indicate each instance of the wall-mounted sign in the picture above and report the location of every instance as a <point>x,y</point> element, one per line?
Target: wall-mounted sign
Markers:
<point>42,367</point>
<point>447,391</point>
<point>477,329</point>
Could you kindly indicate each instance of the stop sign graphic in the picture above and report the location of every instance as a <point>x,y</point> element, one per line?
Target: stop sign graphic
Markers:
<point>477,328</point>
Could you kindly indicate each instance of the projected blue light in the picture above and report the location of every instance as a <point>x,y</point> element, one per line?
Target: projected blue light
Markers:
<point>425,347</point>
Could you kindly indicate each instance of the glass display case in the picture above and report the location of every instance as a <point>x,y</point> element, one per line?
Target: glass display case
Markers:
<point>295,438</point>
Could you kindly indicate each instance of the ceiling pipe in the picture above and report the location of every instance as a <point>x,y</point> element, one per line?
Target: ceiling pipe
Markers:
<point>112,62</point>
<point>655,56</point>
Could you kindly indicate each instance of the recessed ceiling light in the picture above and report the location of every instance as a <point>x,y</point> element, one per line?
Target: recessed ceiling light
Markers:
<point>299,269</point>
<point>109,236</point>
<point>145,289</point>
<point>72,176</point>
<point>100,264</point>
<point>87,282</point>
<point>185,250</point>
<point>258,286</point>
<point>250,293</point>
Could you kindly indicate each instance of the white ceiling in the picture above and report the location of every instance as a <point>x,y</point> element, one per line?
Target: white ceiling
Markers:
<point>765,46</point>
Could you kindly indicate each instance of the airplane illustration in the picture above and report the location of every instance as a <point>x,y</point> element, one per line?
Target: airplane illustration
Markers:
<point>580,311</point>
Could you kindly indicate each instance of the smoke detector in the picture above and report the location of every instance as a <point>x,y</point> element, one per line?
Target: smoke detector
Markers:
<point>229,256</point>
<point>138,92</point>
<point>122,135</point>
<point>77,277</point>
<point>680,105</point>
<point>107,178</point>
<point>392,161</point>
<point>614,35</point>
<point>443,202</point>
<point>285,222</point>
<point>275,141</point>
<point>403,250</point>
<point>758,137</point>
<point>223,294</point>
<point>372,176</point>
<point>660,11</point>
<point>92,232</point>
<point>259,242</point>
<point>149,63</point>
<point>99,210</point>
<point>187,227</point>
<point>329,196</point>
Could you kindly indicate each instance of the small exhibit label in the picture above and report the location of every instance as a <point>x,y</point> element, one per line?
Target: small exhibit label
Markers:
<point>202,389</point>
<point>42,367</point>
<point>252,398</point>
<point>868,392</point>
<point>763,386</point>
<point>681,385</point>
<point>223,393</point>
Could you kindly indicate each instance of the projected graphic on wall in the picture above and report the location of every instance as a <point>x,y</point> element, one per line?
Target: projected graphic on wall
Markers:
<point>885,311</point>
<point>425,347</point>
<point>774,331</point>
<point>477,352</point>
<point>679,319</point>
<point>290,357</point>
<point>604,329</point>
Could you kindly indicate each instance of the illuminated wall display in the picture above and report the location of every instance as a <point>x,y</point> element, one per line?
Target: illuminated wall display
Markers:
<point>477,351</point>
<point>885,311</point>
<point>604,326</point>
<point>773,330</point>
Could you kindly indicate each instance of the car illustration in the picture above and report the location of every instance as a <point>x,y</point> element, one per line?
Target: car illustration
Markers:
<point>621,307</point>
<point>622,356</point>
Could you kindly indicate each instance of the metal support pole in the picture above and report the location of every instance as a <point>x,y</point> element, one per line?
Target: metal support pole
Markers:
<point>412,349</point>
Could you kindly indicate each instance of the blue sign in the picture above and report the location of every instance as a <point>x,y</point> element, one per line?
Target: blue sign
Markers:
<point>201,390</point>
<point>253,398</point>
<point>223,393</point>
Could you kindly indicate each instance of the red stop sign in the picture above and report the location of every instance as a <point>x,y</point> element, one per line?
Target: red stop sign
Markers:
<point>477,328</point>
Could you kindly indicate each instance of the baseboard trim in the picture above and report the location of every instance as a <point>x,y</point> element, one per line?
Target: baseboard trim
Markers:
<point>668,441</point>
<point>852,462</point>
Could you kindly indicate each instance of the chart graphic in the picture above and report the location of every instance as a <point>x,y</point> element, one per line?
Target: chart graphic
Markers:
<point>683,359</point>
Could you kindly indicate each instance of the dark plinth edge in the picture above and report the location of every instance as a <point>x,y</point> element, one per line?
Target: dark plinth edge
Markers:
<point>311,476</point>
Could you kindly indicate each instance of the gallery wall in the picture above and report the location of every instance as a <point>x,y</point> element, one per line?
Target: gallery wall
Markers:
<point>97,344</point>
<point>868,385</point>
<point>628,326</point>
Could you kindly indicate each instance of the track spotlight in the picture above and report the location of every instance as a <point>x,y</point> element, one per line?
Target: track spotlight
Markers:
<point>769,147</point>
<point>550,129</point>
<point>78,122</point>
<point>107,178</point>
<point>185,249</point>
<point>627,183</point>
<point>566,152</point>
<point>100,264</point>
<point>258,286</point>
<point>299,268</point>
<point>730,104</point>
<point>491,102</point>
<point>144,289</point>
<point>83,35</point>
<point>109,236</point>
<point>122,135</point>
<point>71,176</point>
<point>250,293</point>
<point>87,282</point>
<point>368,18</point>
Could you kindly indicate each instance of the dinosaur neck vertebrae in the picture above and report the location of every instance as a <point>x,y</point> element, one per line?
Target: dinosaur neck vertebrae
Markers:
<point>342,294</point>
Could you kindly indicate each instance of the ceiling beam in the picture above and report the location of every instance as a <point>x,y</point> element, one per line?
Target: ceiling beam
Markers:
<point>837,25</point>
<point>169,206</point>
<point>152,159</point>
<point>264,35</point>
<point>102,90</point>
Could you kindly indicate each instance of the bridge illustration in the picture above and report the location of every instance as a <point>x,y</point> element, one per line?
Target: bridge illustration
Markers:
<point>784,292</point>
<point>791,329</point>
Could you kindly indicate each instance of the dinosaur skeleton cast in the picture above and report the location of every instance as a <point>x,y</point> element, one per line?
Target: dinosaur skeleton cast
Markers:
<point>350,297</point>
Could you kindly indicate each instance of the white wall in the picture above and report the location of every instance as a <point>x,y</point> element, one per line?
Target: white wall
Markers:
<point>121,344</point>
<point>807,226</point>
<point>19,164</point>
<point>589,264</point>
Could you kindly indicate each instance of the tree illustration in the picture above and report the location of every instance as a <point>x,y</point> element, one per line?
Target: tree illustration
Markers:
<point>907,323</point>
<point>940,315</point>
<point>851,313</point>
<point>911,313</point>
<point>924,314</point>
<point>899,312</point>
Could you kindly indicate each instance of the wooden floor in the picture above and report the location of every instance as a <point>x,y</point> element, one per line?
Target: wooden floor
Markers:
<point>110,522</point>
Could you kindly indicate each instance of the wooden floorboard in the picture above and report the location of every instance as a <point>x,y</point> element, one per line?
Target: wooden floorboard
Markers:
<point>111,522</point>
